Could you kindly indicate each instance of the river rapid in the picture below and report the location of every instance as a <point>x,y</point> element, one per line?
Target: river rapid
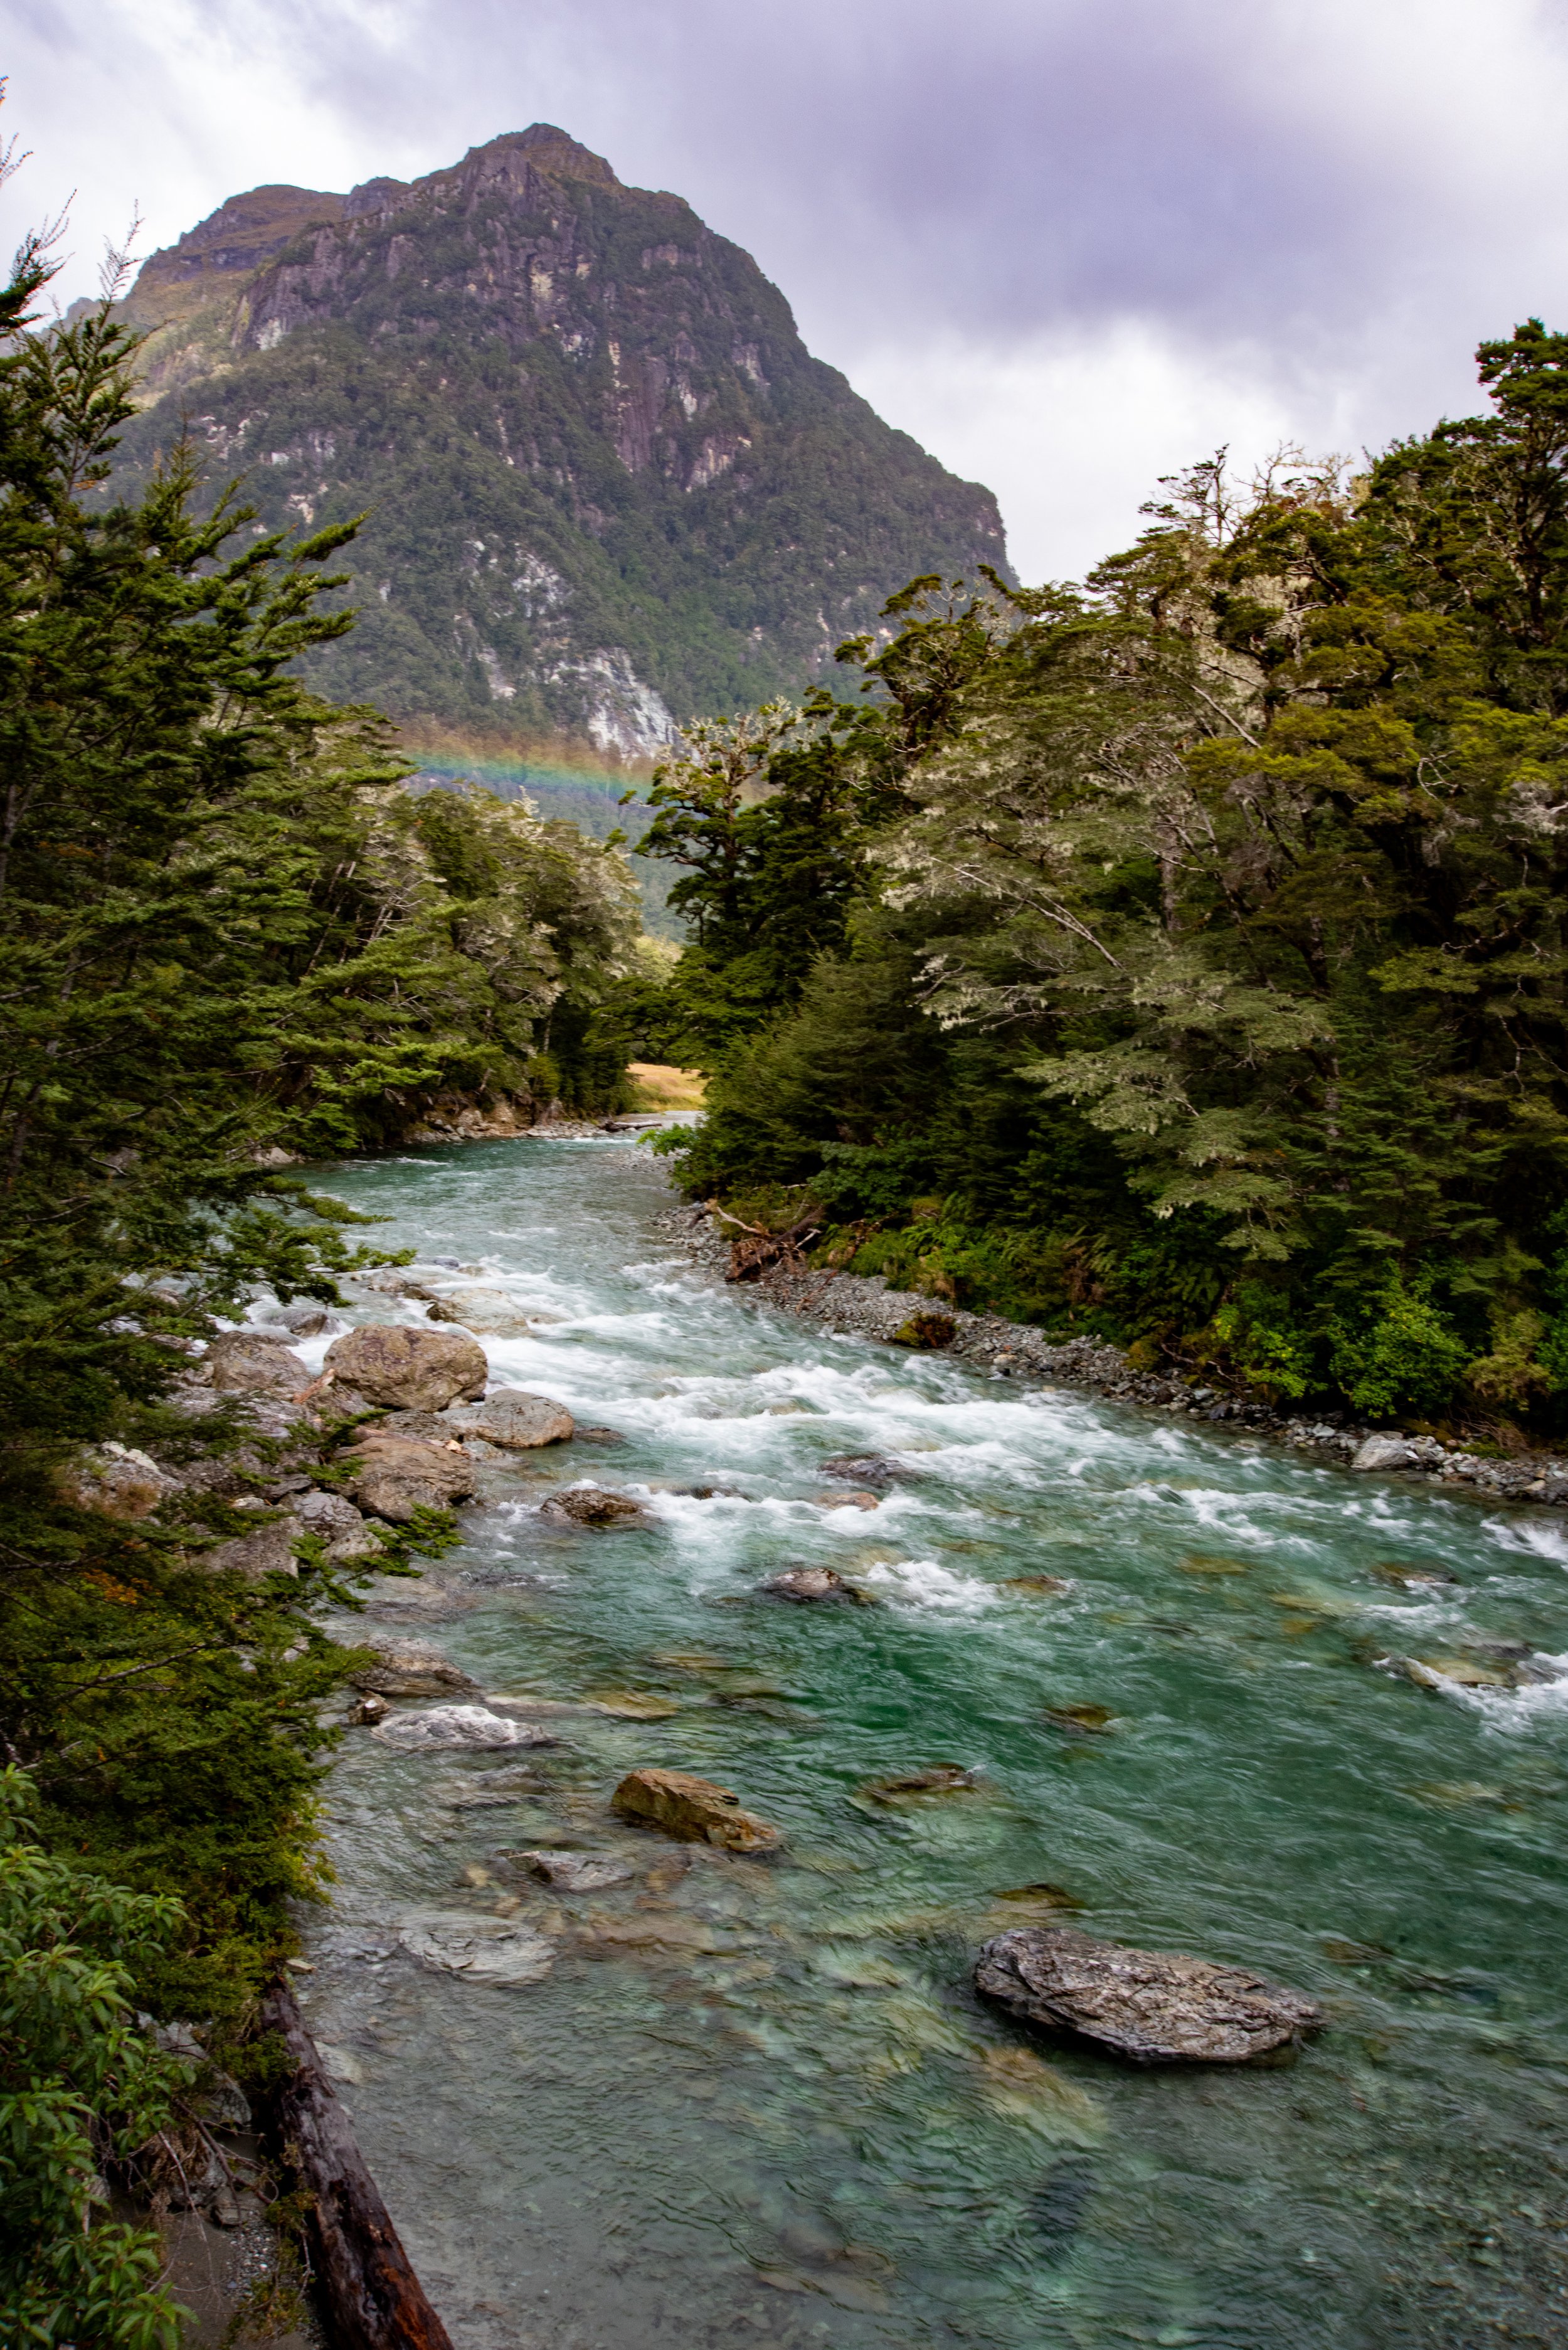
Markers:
<point>756,2102</point>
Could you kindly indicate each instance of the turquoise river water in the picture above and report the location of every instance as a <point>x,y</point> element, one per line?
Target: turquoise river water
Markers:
<point>756,2102</point>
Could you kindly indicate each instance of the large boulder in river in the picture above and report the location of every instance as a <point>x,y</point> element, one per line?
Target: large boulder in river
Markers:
<point>406,1669</point>
<point>337,1524</point>
<point>694,1810</point>
<point>1153,2006</point>
<point>421,1370</point>
<point>393,1477</point>
<point>256,1362</point>
<point>1387,1452</point>
<point>479,1949</point>
<point>519,1421</point>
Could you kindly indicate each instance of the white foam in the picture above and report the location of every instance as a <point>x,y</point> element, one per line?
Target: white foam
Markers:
<point>926,1583</point>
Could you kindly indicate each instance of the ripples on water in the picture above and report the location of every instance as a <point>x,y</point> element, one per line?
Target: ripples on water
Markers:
<point>756,2103</point>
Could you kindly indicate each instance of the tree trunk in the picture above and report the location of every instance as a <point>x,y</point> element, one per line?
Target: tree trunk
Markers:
<point>374,2300</point>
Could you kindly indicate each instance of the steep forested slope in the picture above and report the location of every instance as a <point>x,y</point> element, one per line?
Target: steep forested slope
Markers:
<point>605,481</point>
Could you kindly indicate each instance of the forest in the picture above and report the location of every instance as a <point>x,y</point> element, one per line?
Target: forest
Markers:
<point>1180,957</point>
<point>1176,957</point>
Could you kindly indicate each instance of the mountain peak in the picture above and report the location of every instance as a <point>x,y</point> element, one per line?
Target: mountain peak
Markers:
<point>550,150</point>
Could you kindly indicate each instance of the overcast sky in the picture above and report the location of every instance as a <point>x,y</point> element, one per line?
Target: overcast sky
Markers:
<point>1070,244</point>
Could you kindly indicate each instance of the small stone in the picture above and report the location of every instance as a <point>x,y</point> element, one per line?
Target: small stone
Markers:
<point>693,1810</point>
<point>809,1586</point>
<point>941,1778</point>
<point>1041,1586</point>
<point>369,1712</point>
<point>481,1309</point>
<point>853,1498</point>
<point>1151,2006</point>
<point>865,1468</point>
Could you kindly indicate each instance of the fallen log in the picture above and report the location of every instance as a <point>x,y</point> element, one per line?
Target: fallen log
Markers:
<point>374,2300</point>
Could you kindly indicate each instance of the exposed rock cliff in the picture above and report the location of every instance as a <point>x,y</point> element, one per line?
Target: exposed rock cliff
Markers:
<point>607,482</point>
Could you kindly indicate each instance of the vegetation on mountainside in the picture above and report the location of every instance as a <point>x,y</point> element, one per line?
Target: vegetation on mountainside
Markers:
<point>1205,980</point>
<point>577,424</point>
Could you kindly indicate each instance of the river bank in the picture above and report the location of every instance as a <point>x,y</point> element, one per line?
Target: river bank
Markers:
<point>863,1306</point>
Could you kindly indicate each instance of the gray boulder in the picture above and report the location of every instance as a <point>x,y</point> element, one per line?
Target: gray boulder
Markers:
<point>416,1370</point>
<point>115,1481</point>
<point>393,1476</point>
<point>591,1506</point>
<point>813,1585</point>
<point>255,1361</point>
<point>520,1422</point>
<point>337,1524</point>
<point>1153,2007</point>
<point>404,1668</point>
<point>1387,1452</point>
<point>269,1550</point>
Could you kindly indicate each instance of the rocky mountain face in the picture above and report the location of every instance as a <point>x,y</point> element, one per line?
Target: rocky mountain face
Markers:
<point>607,486</point>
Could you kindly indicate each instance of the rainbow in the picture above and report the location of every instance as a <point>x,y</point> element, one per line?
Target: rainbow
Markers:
<point>563,778</point>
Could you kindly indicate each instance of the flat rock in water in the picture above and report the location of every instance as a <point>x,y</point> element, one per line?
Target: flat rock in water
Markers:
<point>576,1872</point>
<point>941,1779</point>
<point>520,1422</point>
<point>591,1506</point>
<point>694,1810</point>
<point>481,1950</point>
<point>811,1586</point>
<point>419,1370</point>
<point>481,1309</point>
<point>446,1726</point>
<point>1153,2006</point>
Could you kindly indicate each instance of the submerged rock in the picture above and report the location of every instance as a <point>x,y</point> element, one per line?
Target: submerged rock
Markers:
<point>809,1586</point>
<point>865,1468</point>
<point>941,1779</point>
<point>520,1422</point>
<point>1080,1721</point>
<point>446,1726</point>
<point>591,1506</point>
<point>576,1872</point>
<point>1152,2006</point>
<point>481,1950</point>
<point>694,1810</point>
<point>854,1498</point>
<point>1040,1586</point>
<point>420,1371</point>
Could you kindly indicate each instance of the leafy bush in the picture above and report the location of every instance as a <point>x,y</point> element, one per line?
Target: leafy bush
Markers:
<point>79,2086</point>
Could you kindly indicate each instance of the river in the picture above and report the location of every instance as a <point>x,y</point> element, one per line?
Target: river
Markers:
<point>756,2102</point>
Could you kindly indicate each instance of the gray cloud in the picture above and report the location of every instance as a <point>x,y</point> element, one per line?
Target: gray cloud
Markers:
<point>1311,214</point>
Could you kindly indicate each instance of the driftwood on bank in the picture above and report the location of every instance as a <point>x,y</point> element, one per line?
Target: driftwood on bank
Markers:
<point>375,2301</point>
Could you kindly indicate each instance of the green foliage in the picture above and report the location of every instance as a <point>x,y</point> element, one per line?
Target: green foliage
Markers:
<point>1206,955</point>
<point>80,2087</point>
